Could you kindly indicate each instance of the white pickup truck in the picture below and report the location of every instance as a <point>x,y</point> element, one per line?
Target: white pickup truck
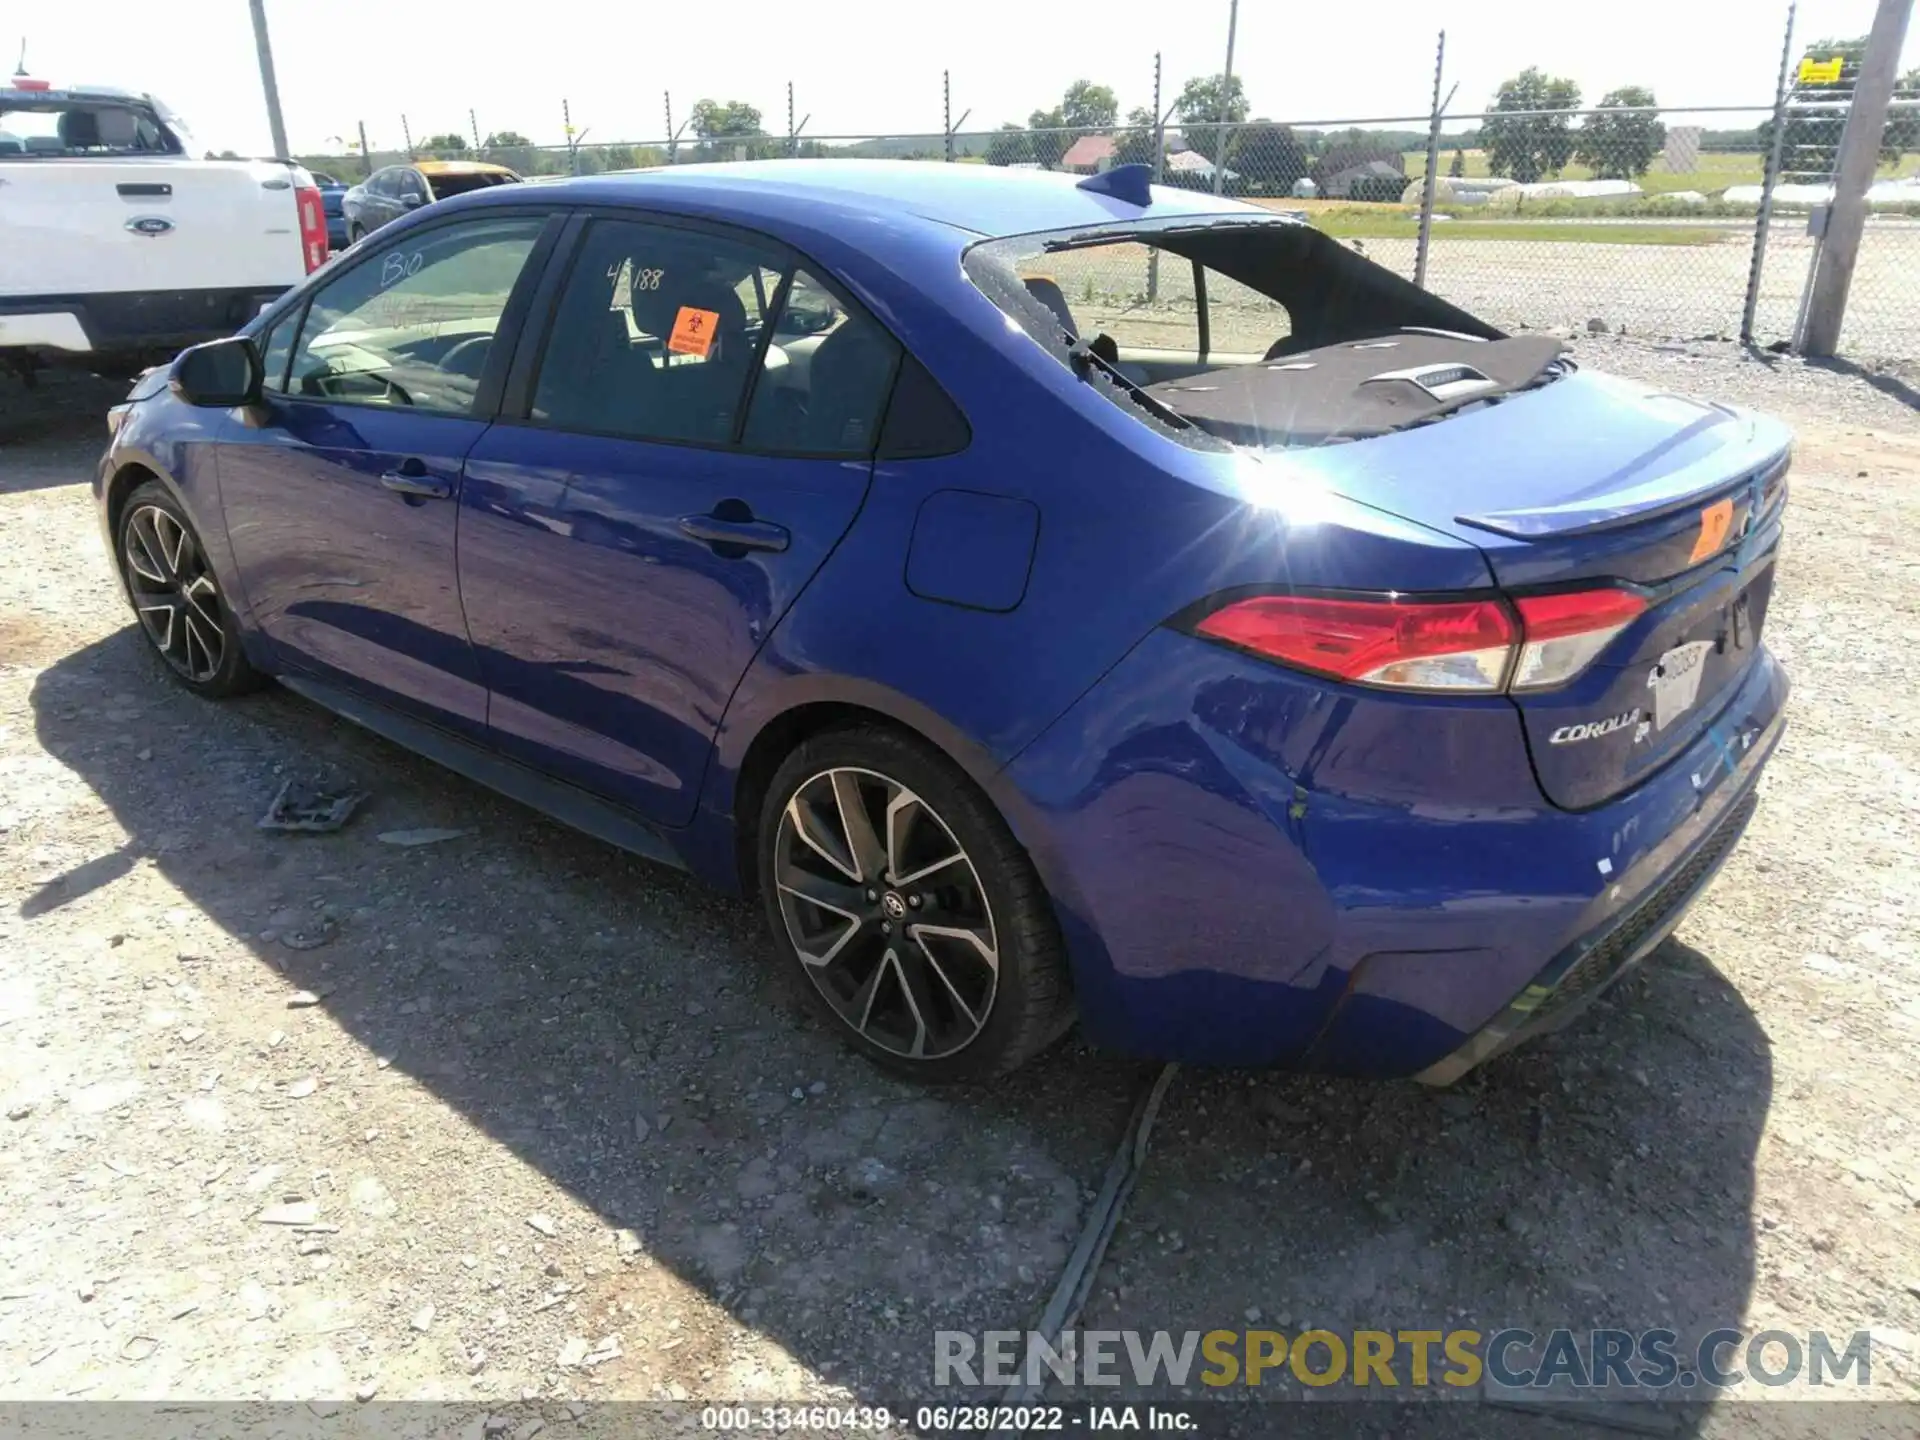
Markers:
<point>119,246</point>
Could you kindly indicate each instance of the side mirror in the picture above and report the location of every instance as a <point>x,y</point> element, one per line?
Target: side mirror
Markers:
<point>412,201</point>
<point>219,374</point>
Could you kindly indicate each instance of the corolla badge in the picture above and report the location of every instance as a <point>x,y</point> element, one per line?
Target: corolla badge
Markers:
<point>1593,729</point>
<point>150,225</point>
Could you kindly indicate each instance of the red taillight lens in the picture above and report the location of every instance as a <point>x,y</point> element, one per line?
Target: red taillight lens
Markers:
<point>313,227</point>
<point>1407,644</point>
<point>1565,633</point>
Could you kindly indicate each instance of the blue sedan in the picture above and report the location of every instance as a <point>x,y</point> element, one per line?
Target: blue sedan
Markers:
<point>1055,599</point>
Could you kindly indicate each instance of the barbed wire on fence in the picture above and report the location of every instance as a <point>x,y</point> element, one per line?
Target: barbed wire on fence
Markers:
<point>1661,221</point>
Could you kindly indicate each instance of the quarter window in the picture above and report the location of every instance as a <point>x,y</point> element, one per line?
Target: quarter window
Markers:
<point>413,324</point>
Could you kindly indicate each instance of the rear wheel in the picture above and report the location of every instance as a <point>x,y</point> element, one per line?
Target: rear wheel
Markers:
<point>355,234</point>
<point>177,597</point>
<point>914,921</point>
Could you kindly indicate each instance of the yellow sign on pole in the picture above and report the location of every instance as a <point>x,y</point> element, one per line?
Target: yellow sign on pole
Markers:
<point>1821,72</point>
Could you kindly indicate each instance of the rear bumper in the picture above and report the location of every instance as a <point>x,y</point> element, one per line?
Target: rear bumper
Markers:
<point>1254,868</point>
<point>129,322</point>
<point>1584,971</point>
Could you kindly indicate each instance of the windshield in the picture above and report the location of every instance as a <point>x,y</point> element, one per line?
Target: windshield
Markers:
<point>67,127</point>
<point>1256,332</point>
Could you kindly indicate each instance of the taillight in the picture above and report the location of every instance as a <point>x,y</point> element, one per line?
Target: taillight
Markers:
<point>1565,632</point>
<point>313,226</point>
<point>1406,643</point>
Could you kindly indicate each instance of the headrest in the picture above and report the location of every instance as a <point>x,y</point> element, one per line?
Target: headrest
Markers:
<point>118,128</point>
<point>701,312</point>
<point>79,128</point>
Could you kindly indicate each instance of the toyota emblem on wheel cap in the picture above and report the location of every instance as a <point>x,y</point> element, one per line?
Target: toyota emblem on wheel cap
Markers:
<point>893,905</point>
<point>150,225</point>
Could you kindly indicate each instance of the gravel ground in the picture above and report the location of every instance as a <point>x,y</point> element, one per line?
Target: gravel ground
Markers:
<point>515,1117</point>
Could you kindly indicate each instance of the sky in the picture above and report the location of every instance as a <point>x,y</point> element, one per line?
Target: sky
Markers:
<point>861,67</point>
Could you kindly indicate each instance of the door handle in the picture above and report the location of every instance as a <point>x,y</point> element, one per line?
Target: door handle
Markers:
<point>724,533</point>
<point>410,478</point>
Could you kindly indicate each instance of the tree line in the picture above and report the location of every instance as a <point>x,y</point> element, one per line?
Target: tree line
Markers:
<point>1620,139</point>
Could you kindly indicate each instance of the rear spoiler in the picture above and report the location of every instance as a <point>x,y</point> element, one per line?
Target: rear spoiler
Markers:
<point>1763,458</point>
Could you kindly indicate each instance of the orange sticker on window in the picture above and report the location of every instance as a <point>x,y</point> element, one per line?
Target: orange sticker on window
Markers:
<point>1715,521</point>
<point>693,331</point>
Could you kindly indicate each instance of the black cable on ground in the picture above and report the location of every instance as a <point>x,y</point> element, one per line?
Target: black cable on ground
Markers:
<point>1103,1218</point>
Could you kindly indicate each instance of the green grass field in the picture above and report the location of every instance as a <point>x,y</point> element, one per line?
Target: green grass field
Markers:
<point>1717,170</point>
<point>1369,223</point>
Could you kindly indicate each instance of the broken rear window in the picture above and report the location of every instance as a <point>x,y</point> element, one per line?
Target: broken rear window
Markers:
<point>1258,332</point>
<point>69,128</point>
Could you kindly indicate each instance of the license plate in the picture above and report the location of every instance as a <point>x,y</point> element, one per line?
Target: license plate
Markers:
<point>1675,681</point>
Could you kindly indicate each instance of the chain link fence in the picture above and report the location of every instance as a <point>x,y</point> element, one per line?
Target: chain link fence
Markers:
<point>1664,223</point>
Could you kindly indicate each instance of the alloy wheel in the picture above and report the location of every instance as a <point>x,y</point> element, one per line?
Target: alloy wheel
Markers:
<point>174,593</point>
<point>887,913</point>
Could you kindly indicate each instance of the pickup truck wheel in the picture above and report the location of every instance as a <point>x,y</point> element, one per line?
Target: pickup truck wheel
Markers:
<point>177,598</point>
<point>355,235</point>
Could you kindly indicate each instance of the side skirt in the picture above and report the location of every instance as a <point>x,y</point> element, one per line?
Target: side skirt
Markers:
<point>568,804</point>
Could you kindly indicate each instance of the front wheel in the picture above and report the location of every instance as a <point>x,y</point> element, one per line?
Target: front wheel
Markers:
<point>177,597</point>
<point>355,234</point>
<point>914,920</point>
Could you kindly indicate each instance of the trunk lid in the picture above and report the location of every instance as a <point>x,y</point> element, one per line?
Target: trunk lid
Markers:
<point>85,226</point>
<point>1589,481</point>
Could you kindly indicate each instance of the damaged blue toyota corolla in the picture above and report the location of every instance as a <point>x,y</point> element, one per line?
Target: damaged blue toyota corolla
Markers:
<point>1055,599</point>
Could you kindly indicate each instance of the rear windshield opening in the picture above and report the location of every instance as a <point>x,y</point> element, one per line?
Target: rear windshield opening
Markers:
<point>1258,332</point>
<point>71,129</point>
<point>445,185</point>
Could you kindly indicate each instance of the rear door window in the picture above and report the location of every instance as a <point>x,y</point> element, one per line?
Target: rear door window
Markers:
<point>653,339</point>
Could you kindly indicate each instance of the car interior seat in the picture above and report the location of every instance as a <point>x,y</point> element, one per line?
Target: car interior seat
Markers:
<point>79,129</point>
<point>851,375</point>
<point>702,391</point>
<point>119,129</point>
<point>1049,294</point>
<point>607,385</point>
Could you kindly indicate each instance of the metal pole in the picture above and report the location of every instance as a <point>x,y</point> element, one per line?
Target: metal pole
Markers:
<point>1159,172</point>
<point>1433,166</point>
<point>673,140</point>
<point>474,125</point>
<point>946,111</point>
<point>1226,94</point>
<point>406,134</point>
<point>1781,89</point>
<point>793,137</point>
<point>1859,156</point>
<point>573,152</point>
<point>267,83</point>
<point>366,156</point>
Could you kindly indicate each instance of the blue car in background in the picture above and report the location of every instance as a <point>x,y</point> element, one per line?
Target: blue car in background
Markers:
<point>1055,599</point>
<point>332,191</point>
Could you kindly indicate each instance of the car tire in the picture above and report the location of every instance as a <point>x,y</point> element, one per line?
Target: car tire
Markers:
<point>923,936</point>
<point>177,598</point>
<point>355,235</point>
